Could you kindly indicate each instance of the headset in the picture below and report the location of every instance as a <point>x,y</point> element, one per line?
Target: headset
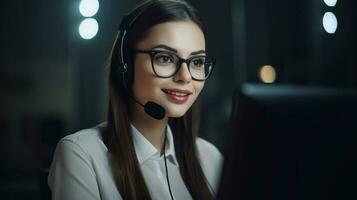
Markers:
<point>123,67</point>
<point>122,62</point>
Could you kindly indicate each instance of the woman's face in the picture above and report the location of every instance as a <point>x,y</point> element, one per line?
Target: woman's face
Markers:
<point>176,94</point>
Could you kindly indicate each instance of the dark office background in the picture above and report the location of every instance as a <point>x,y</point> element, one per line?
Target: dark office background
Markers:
<point>53,82</point>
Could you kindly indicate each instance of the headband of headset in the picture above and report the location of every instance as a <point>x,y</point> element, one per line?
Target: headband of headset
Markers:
<point>124,58</point>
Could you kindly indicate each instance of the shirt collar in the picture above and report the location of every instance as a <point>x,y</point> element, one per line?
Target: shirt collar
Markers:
<point>145,150</point>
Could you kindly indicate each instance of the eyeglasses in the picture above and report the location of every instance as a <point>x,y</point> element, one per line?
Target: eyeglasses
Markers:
<point>166,64</point>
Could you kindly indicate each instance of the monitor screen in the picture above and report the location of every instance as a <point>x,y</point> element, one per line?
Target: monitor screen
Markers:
<point>291,142</point>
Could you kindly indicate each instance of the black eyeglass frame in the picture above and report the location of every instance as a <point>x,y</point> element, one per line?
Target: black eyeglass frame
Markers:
<point>152,53</point>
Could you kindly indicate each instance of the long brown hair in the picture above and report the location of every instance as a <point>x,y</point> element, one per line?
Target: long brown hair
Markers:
<point>118,137</point>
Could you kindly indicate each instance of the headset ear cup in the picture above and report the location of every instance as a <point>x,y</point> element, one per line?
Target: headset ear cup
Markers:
<point>126,68</point>
<point>115,64</point>
<point>119,66</point>
<point>116,76</point>
<point>130,69</point>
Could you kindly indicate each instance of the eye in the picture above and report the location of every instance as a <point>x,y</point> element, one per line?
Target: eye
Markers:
<point>198,62</point>
<point>163,58</point>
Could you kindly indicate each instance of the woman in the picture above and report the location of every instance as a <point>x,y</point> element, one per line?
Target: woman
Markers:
<point>148,148</point>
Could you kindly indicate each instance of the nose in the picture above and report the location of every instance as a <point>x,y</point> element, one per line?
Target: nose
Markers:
<point>183,75</point>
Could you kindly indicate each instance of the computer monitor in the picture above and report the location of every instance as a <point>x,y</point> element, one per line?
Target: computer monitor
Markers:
<point>291,142</point>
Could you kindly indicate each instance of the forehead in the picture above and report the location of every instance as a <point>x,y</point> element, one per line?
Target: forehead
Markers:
<point>184,36</point>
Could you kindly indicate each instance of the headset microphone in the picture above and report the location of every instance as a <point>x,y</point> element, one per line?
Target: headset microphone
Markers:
<point>153,109</point>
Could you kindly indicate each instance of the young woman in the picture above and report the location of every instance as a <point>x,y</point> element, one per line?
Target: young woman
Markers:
<point>148,148</point>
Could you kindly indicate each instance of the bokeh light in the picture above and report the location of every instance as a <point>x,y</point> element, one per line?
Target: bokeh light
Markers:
<point>329,22</point>
<point>330,3</point>
<point>267,74</point>
<point>88,8</point>
<point>88,28</point>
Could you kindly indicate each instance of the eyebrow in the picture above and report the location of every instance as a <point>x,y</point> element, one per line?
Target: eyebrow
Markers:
<point>175,51</point>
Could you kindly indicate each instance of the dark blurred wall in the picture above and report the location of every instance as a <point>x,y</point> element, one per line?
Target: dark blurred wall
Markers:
<point>36,84</point>
<point>289,36</point>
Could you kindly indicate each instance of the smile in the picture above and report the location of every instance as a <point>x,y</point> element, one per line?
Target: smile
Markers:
<point>177,96</point>
<point>176,93</point>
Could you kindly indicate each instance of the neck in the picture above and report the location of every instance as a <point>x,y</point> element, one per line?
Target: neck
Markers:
<point>152,129</point>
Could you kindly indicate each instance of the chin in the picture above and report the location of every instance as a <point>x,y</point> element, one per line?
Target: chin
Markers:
<point>176,113</point>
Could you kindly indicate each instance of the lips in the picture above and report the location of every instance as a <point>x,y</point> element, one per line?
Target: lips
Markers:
<point>177,95</point>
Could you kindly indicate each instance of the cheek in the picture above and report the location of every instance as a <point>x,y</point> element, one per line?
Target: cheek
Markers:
<point>145,82</point>
<point>141,78</point>
<point>198,87</point>
<point>141,69</point>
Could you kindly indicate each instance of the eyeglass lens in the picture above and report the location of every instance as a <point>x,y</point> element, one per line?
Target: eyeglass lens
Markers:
<point>166,64</point>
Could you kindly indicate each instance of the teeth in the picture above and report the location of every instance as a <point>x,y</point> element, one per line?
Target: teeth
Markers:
<point>176,93</point>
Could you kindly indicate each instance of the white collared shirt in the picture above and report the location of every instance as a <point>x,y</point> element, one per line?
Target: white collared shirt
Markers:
<point>80,167</point>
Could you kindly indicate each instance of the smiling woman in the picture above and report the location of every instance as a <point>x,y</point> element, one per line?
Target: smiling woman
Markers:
<point>167,41</point>
<point>148,148</point>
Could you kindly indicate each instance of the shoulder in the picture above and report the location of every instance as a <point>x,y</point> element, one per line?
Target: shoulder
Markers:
<point>211,161</point>
<point>80,163</point>
<point>86,143</point>
<point>78,151</point>
<point>86,138</point>
<point>207,149</point>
